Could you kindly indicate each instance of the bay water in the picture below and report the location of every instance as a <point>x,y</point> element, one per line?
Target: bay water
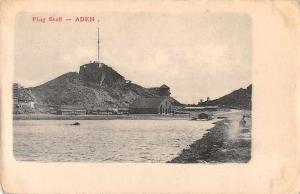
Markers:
<point>105,140</point>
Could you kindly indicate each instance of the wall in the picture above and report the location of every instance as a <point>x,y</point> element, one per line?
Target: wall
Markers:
<point>143,111</point>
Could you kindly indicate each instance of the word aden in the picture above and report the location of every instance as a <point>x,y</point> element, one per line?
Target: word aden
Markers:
<point>60,19</point>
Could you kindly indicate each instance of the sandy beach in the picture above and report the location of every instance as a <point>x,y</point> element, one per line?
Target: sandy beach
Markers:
<point>227,141</point>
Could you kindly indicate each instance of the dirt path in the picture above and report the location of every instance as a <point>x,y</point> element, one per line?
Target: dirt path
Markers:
<point>228,141</point>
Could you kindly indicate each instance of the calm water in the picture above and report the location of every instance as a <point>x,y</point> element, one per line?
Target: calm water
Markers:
<point>105,140</point>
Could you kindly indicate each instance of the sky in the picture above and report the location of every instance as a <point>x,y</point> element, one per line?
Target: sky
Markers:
<point>197,55</point>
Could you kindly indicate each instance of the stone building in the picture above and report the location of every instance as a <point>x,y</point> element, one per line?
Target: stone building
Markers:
<point>68,110</point>
<point>22,99</point>
<point>163,90</point>
<point>26,103</point>
<point>151,105</point>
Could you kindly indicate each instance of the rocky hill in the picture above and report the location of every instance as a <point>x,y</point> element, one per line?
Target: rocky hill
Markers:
<point>240,98</point>
<point>96,85</point>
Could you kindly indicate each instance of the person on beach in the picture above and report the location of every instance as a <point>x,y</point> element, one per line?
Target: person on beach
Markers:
<point>243,121</point>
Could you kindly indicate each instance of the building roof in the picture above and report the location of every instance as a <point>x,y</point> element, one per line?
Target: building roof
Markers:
<point>93,64</point>
<point>70,107</point>
<point>101,108</point>
<point>164,86</point>
<point>153,102</point>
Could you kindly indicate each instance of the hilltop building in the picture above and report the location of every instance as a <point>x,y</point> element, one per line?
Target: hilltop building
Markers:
<point>99,73</point>
<point>154,105</point>
<point>163,90</point>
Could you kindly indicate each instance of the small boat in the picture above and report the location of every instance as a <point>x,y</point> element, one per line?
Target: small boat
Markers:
<point>202,117</point>
<point>76,123</point>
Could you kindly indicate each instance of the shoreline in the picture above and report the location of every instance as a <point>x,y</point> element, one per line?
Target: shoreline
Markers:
<point>100,117</point>
<point>218,145</point>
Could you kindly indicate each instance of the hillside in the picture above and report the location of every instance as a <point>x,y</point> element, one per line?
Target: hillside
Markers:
<point>240,98</point>
<point>99,87</point>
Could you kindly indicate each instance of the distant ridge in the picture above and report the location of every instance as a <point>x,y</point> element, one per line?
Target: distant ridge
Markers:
<point>240,99</point>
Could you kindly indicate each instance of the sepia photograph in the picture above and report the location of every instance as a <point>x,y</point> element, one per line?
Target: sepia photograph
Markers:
<point>142,87</point>
<point>137,96</point>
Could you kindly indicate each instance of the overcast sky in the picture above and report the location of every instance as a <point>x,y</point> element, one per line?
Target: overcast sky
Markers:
<point>196,54</point>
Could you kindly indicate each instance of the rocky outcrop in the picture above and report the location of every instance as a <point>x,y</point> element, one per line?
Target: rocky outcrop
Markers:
<point>240,98</point>
<point>96,85</point>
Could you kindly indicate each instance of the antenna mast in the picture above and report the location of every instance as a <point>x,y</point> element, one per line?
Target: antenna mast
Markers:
<point>98,42</point>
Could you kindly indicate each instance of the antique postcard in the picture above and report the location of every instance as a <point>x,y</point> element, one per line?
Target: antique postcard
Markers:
<point>90,100</point>
<point>142,97</point>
